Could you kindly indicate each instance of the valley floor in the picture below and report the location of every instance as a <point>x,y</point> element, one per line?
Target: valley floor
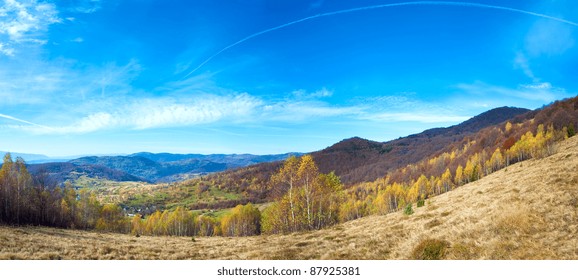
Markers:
<point>526,211</point>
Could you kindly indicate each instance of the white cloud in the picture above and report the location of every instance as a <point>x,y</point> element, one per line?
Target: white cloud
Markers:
<point>91,123</point>
<point>400,101</point>
<point>521,62</point>
<point>543,92</point>
<point>549,38</point>
<point>157,113</point>
<point>418,117</point>
<point>407,107</point>
<point>304,94</point>
<point>544,38</point>
<point>4,49</point>
<point>298,111</point>
<point>64,83</point>
<point>85,6</point>
<point>538,86</point>
<point>24,22</point>
<point>322,93</point>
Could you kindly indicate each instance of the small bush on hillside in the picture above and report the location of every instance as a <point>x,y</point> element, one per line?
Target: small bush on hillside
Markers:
<point>420,203</point>
<point>430,249</point>
<point>408,210</point>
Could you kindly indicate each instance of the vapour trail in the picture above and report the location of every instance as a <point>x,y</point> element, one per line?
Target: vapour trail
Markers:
<point>22,121</point>
<point>421,3</point>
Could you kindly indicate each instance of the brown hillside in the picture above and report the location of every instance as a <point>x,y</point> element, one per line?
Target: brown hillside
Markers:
<point>527,211</point>
<point>358,160</point>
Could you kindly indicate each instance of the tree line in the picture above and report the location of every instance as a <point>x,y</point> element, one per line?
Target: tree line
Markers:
<point>28,200</point>
<point>307,200</point>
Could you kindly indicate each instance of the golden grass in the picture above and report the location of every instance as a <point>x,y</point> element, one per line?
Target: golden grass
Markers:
<point>527,211</point>
<point>430,249</point>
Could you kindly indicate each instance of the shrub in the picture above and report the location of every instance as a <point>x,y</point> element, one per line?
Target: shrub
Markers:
<point>420,203</point>
<point>571,131</point>
<point>430,249</point>
<point>408,210</point>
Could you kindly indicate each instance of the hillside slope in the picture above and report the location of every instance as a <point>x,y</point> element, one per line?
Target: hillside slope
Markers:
<point>358,160</point>
<point>526,211</point>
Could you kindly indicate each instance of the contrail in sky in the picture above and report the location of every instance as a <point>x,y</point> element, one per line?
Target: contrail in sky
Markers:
<point>440,3</point>
<point>22,121</point>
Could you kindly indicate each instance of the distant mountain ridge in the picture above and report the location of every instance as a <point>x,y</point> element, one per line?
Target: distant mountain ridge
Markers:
<point>55,173</point>
<point>26,157</point>
<point>149,170</point>
<point>147,167</point>
<point>229,159</point>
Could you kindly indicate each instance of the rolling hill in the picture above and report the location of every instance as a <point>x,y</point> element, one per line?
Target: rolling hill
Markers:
<point>147,167</point>
<point>55,173</point>
<point>527,211</point>
<point>165,167</point>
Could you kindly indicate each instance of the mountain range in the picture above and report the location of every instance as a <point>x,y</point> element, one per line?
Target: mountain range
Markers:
<point>358,160</point>
<point>146,167</point>
<point>30,158</point>
<point>355,159</point>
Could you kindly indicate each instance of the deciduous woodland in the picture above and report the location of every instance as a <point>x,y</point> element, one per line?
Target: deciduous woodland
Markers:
<point>299,197</point>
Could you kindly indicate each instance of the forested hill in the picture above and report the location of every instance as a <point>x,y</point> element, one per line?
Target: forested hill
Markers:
<point>55,173</point>
<point>358,160</point>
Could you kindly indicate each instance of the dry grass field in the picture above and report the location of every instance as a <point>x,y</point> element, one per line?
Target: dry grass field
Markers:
<point>527,211</point>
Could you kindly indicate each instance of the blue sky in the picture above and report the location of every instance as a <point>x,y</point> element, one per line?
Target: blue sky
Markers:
<point>252,76</point>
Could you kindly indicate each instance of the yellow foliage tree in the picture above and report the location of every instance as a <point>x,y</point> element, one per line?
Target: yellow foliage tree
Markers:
<point>459,177</point>
<point>311,202</point>
<point>242,221</point>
